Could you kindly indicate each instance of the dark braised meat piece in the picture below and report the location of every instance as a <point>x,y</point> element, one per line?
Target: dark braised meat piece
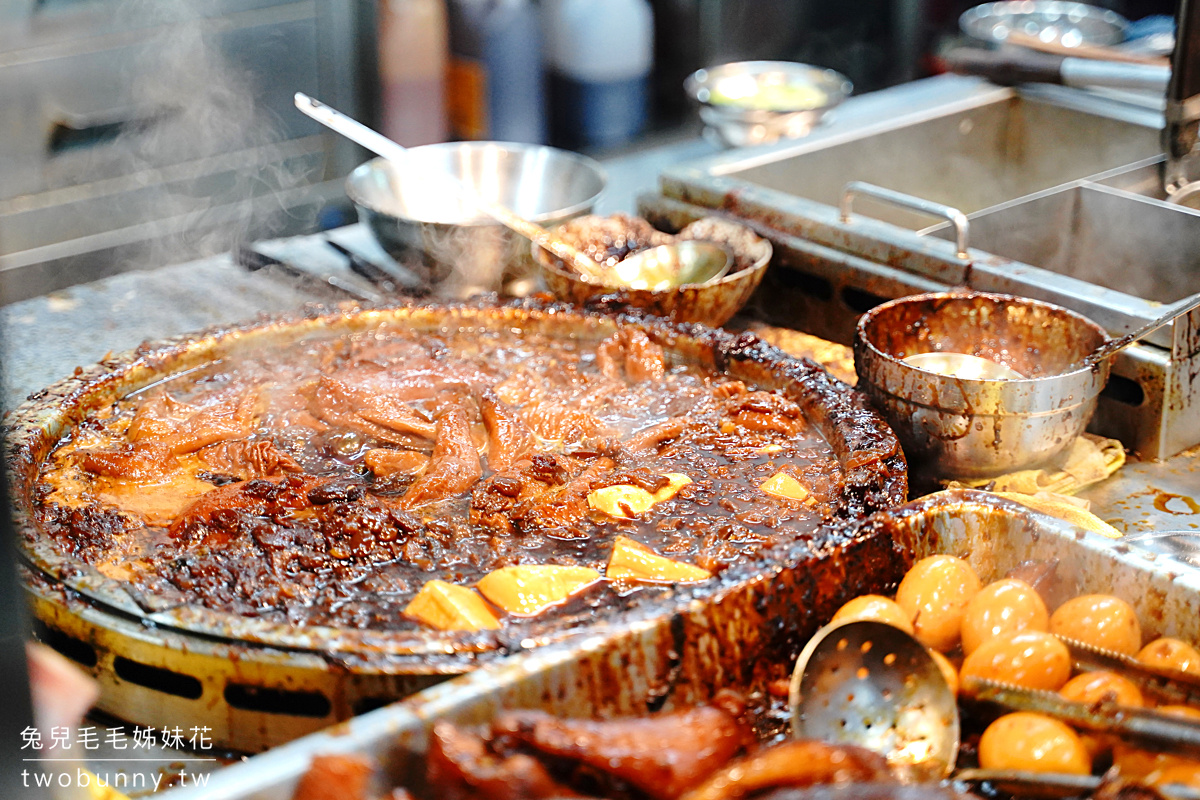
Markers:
<point>630,352</point>
<point>561,424</point>
<point>385,462</point>
<point>662,755</point>
<point>649,439</point>
<point>247,459</point>
<point>253,496</point>
<point>164,427</point>
<point>509,438</point>
<point>765,412</point>
<point>796,763</point>
<point>381,416</point>
<point>454,467</point>
<point>461,767</point>
<point>561,511</point>
<point>131,462</point>
<point>335,777</point>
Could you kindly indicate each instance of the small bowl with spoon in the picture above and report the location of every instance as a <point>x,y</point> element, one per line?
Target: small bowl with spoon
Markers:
<point>977,385</point>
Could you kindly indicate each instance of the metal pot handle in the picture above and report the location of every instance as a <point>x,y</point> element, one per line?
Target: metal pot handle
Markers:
<point>957,218</point>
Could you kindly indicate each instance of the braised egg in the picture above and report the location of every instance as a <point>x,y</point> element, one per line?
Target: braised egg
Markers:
<point>877,608</point>
<point>1005,606</point>
<point>934,594</point>
<point>1033,659</point>
<point>1033,743</point>
<point>1171,654</point>
<point>1102,686</point>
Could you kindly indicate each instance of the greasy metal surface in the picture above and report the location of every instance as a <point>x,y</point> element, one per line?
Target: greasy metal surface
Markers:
<point>871,684</point>
<point>871,457</point>
<point>669,663</point>
<point>958,427</point>
<point>1098,234</point>
<point>709,303</point>
<point>1153,407</point>
<point>969,159</point>
<point>1150,496</point>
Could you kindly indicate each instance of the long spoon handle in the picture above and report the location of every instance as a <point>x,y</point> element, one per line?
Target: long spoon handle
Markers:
<point>381,145</point>
<point>1116,345</point>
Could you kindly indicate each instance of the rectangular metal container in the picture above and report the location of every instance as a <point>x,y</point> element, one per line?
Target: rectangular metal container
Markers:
<point>970,158</point>
<point>685,658</point>
<point>977,150</point>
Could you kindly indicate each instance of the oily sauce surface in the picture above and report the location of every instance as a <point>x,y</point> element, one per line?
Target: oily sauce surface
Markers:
<point>327,481</point>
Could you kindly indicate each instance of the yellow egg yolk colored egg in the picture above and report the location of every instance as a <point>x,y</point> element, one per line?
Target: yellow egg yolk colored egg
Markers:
<point>1099,620</point>
<point>874,607</point>
<point>1006,606</point>
<point>1033,743</point>
<point>1102,686</point>
<point>934,594</point>
<point>1033,659</point>
<point>1171,653</point>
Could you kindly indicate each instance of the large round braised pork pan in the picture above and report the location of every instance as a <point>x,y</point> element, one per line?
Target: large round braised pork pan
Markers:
<point>260,678</point>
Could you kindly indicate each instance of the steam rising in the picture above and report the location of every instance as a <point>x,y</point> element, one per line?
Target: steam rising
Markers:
<point>199,141</point>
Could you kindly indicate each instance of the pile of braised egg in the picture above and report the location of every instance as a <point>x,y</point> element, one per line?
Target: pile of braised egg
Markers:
<point>1006,631</point>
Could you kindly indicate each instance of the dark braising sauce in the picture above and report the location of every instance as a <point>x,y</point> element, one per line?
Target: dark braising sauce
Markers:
<point>326,482</point>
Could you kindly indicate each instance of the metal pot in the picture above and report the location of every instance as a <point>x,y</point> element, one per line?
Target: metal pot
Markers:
<point>424,222</point>
<point>963,428</point>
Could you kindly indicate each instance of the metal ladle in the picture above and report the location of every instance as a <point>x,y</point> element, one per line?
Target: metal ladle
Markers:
<point>965,365</point>
<point>869,684</point>
<point>662,267</point>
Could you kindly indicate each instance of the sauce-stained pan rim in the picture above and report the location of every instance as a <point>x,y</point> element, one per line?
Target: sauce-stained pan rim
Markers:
<point>871,458</point>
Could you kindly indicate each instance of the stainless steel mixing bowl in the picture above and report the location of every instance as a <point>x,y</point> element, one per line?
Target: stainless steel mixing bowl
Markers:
<point>1050,21</point>
<point>963,428</point>
<point>421,218</point>
<point>757,102</point>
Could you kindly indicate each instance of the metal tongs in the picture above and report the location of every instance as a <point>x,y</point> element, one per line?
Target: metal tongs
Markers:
<point>1139,726</point>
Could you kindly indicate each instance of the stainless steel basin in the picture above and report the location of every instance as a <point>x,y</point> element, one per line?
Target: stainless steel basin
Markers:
<point>970,158</point>
<point>1098,234</point>
<point>1064,202</point>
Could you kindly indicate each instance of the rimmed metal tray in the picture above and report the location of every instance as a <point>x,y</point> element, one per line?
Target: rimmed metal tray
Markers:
<point>256,684</point>
<point>685,658</point>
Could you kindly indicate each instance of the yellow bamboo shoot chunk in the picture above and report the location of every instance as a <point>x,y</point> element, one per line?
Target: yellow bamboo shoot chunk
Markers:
<point>448,607</point>
<point>626,502</point>
<point>784,485</point>
<point>633,561</point>
<point>530,589</point>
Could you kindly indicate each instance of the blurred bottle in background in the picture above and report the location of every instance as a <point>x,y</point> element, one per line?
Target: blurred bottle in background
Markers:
<point>413,51</point>
<point>598,59</point>
<point>494,83</point>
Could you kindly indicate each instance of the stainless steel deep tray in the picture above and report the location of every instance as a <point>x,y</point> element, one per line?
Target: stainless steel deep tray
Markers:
<point>974,148</point>
<point>685,658</point>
